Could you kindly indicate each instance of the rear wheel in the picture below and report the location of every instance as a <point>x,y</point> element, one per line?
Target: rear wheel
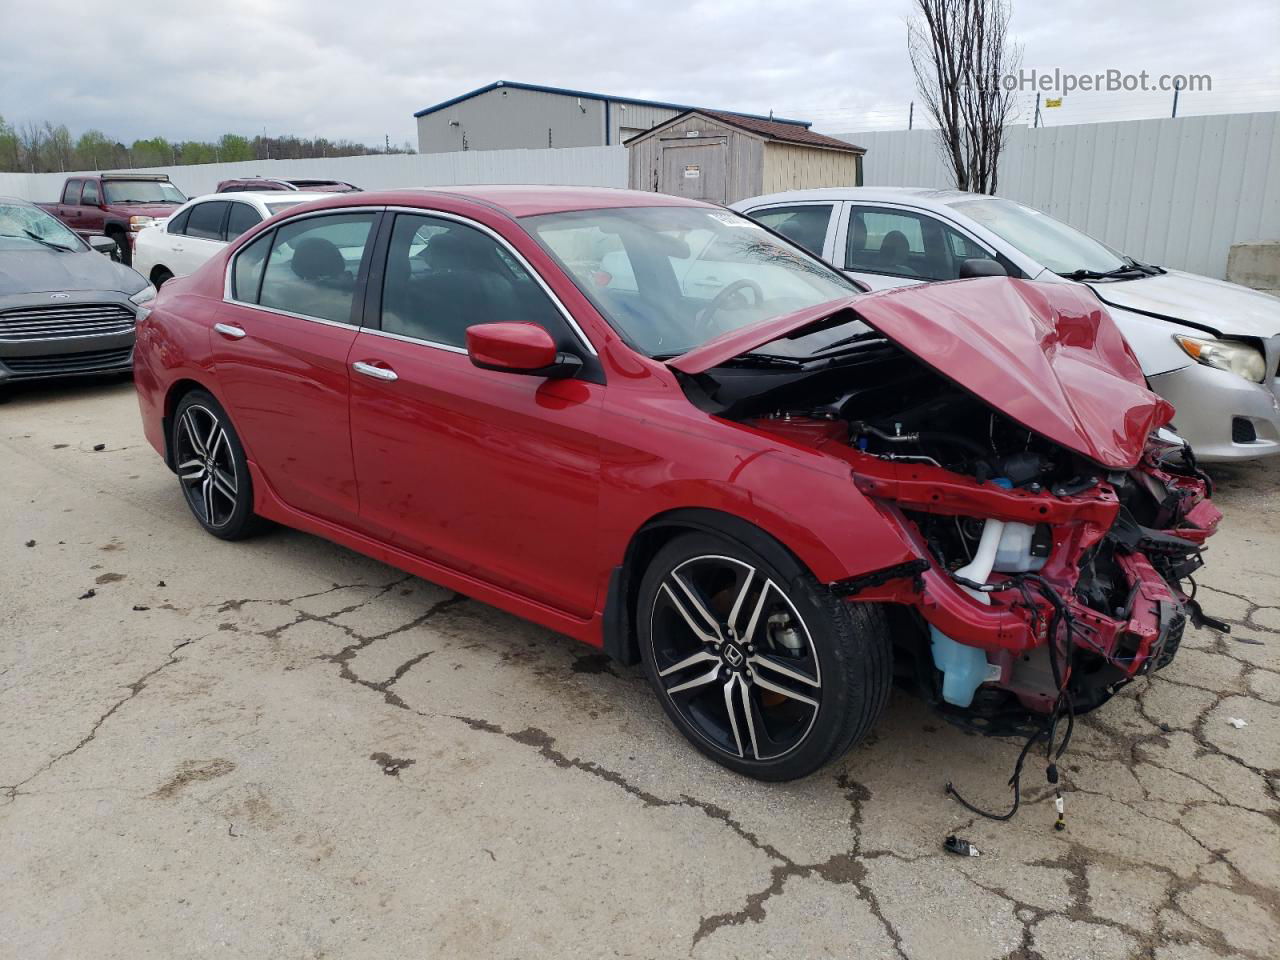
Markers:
<point>212,469</point>
<point>758,665</point>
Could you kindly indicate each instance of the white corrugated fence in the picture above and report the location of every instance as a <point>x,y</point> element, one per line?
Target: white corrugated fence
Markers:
<point>1177,192</point>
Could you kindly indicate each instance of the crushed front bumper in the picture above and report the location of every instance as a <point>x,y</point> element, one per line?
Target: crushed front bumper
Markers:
<point>1013,630</point>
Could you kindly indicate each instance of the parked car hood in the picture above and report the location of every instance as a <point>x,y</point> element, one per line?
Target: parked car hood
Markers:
<point>48,271</point>
<point>1225,309</point>
<point>156,210</point>
<point>1046,355</point>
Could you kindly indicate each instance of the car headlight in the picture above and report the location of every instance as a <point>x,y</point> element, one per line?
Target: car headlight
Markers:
<point>137,223</point>
<point>1239,358</point>
<point>146,293</point>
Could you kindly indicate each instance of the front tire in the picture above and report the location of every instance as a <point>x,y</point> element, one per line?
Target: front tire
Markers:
<point>212,468</point>
<point>756,663</point>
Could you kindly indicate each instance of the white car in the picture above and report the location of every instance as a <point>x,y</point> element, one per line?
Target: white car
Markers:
<point>196,231</point>
<point>1211,348</point>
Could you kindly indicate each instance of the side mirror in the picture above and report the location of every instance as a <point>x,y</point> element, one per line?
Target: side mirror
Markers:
<point>519,348</point>
<point>981,267</point>
<point>104,245</point>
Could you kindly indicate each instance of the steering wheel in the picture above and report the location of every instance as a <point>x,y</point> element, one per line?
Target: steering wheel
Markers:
<point>721,300</point>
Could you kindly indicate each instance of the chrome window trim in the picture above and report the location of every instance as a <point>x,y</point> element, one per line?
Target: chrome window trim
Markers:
<point>229,273</point>
<point>515,254</point>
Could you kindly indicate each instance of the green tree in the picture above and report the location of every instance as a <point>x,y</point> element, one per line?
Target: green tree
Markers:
<point>94,150</point>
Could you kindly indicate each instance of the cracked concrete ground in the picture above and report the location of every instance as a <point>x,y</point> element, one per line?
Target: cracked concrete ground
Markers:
<point>280,748</point>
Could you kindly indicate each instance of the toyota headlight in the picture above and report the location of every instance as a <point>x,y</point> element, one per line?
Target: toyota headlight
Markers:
<point>1239,358</point>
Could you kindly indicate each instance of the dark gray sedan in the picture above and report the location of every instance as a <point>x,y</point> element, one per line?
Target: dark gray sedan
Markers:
<point>65,309</point>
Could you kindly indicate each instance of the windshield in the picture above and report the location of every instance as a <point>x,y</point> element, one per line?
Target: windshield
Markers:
<point>18,221</point>
<point>1061,248</point>
<point>142,191</point>
<point>275,206</point>
<point>672,278</point>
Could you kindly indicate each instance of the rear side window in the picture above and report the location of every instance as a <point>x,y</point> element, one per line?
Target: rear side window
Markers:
<point>314,264</point>
<point>246,275</point>
<point>241,218</point>
<point>90,196</point>
<point>71,192</point>
<point>805,226</point>
<point>178,224</point>
<point>205,221</point>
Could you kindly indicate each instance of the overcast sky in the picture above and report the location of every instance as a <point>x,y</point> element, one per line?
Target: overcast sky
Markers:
<point>359,70</point>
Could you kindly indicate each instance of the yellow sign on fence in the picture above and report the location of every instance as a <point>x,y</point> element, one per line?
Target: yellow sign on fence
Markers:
<point>1055,102</point>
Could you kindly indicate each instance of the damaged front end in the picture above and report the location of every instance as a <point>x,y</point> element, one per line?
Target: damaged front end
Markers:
<point>1007,434</point>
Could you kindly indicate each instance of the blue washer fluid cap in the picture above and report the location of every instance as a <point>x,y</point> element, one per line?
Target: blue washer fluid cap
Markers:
<point>1003,482</point>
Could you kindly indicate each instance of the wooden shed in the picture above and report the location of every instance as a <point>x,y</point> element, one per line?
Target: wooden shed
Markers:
<point>708,155</point>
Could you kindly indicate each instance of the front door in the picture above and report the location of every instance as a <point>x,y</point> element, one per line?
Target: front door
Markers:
<point>493,474</point>
<point>699,171</point>
<point>280,351</point>
<point>886,246</point>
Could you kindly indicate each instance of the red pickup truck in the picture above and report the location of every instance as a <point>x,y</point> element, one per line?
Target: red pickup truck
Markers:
<point>116,205</point>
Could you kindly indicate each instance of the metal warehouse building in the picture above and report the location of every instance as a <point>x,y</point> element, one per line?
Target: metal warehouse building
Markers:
<point>511,116</point>
<point>725,157</point>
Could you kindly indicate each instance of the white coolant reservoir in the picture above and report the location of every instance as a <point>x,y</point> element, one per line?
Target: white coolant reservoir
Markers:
<point>1013,555</point>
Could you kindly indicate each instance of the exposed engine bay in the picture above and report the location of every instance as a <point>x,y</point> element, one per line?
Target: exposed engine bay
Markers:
<point>1044,581</point>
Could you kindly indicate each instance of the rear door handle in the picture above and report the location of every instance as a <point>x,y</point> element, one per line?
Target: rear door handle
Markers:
<point>229,331</point>
<point>378,373</point>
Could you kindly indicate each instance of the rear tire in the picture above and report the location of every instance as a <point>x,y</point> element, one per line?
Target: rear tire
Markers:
<point>755,662</point>
<point>212,469</point>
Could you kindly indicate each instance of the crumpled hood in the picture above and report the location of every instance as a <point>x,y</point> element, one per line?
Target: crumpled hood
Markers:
<point>40,270</point>
<point>1046,355</point>
<point>1227,309</point>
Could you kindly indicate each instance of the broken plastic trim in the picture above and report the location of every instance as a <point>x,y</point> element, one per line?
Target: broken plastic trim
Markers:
<point>852,586</point>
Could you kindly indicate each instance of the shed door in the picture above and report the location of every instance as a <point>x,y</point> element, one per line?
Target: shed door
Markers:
<point>697,171</point>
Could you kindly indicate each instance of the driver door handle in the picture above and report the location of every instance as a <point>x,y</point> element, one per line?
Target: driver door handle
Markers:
<point>378,373</point>
<point>229,331</point>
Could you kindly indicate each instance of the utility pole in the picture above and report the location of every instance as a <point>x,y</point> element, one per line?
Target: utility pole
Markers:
<point>386,137</point>
<point>911,114</point>
<point>1177,85</point>
<point>1035,123</point>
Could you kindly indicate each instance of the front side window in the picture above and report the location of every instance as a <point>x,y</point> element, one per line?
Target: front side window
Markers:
<point>443,276</point>
<point>805,225</point>
<point>71,192</point>
<point>142,191</point>
<point>241,218</point>
<point>902,243</point>
<point>90,196</point>
<point>1061,248</point>
<point>314,264</point>
<point>205,221</point>
<point>669,279</point>
<point>23,228</point>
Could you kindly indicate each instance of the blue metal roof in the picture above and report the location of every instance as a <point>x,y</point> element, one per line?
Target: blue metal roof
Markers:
<point>595,96</point>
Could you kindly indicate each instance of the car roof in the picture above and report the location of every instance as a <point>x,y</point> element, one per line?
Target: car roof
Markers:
<point>916,196</point>
<point>519,200</point>
<point>266,196</point>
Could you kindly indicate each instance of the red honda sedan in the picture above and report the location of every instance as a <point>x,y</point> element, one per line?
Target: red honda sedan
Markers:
<point>654,425</point>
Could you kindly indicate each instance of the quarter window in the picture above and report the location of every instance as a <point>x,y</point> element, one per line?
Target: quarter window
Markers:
<point>314,264</point>
<point>205,221</point>
<point>90,197</point>
<point>443,277</point>
<point>241,218</point>
<point>246,276</point>
<point>804,225</point>
<point>901,243</point>
<point>178,224</point>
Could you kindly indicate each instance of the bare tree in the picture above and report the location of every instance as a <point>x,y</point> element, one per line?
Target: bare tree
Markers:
<point>960,54</point>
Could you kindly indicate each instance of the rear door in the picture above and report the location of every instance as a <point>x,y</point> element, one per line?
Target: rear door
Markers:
<point>69,204</point>
<point>201,238</point>
<point>493,474</point>
<point>811,225</point>
<point>294,303</point>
